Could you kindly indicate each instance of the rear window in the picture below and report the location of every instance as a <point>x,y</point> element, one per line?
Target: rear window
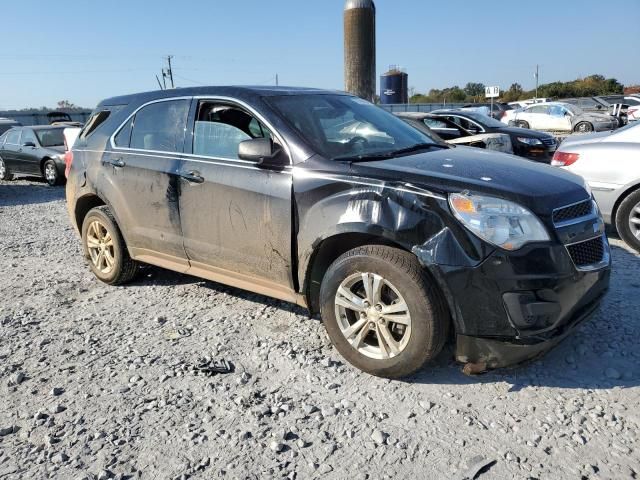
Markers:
<point>13,137</point>
<point>95,120</point>
<point>52,137</point>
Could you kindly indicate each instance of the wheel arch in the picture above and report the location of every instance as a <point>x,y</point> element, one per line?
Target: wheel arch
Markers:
<point>43,160</point>
<point>327,251</point>
<point>83,205</point>
<point>620,199</point>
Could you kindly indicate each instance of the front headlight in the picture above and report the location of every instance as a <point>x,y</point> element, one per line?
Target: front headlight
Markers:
<point>500,222</point>
<point>529,141</point>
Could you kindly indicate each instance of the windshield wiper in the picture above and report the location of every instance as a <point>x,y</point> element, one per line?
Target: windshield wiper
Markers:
<point>386,155</point>
<point>418,146</point>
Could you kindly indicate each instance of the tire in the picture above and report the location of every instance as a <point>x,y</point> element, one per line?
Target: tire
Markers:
<point>50,173</point>
<point>628,220</point>
<point>583,127</point>
<point>522,124</point>
<point>100,225</point>
<point>404,283</point>
<point>5,173</point>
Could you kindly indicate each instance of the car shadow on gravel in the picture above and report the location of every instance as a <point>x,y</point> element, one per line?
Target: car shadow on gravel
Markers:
<point>157,276</point>
<point>598,355</point>
<point>29,194</point>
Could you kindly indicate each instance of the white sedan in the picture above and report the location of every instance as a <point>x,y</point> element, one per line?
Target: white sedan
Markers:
<point>609,162</point>
<point>562,117</point>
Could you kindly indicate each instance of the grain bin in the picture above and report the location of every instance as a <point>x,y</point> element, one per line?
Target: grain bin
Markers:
<point>360,48</point>
<point>394,86</point>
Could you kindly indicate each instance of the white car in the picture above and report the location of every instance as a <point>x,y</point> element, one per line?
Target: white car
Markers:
<point>562,117</point>
<point>633,113</point>
<point>609,162</point>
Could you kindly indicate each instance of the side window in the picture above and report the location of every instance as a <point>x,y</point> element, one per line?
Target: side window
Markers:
<point>28,136</point>
<point>219,129</point>
<point>538,109</point>
<point>123,137</point>
<point>96,119</point>
<point>160,126</point>
<point>433,123</point>
<point>13,137</point>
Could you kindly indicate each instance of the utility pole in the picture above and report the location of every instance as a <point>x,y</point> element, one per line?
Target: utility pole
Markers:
<point>537,79</point>
<point>159,84</point>
<point>277,82</point>
<point>169,71</point>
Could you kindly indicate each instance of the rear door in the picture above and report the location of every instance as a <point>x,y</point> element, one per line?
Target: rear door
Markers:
<point>236,216</point>
<point>10,148</point>
<point>139,176</point>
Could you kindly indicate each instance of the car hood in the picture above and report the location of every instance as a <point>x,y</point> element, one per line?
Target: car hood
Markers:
<point>585,138</point>
<point>596,117</point>
<point>523,132</point>
<point>539,187</point>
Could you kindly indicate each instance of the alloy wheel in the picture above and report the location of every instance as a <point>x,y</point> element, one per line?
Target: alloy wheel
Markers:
<point>373,316</point>
<point>3,168</point>
<point>50,173</point>
<point>634,221</point>
<point>100,247</point>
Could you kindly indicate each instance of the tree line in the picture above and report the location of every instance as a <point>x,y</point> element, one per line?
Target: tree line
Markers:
<point>473,92</point>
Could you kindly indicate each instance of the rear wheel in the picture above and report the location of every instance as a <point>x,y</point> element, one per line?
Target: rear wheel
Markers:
<point>5,174</point>
<point>583,127</point>
<point>381,312</point>
<point>105,248</point>
<point>628,220</point>
<point>522,124</point>
<point>51,174</point>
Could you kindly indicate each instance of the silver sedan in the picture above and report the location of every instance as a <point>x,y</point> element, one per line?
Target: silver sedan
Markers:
<point>609,162</point>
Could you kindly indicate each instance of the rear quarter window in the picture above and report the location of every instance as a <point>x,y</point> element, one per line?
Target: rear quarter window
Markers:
<point>160,126</point>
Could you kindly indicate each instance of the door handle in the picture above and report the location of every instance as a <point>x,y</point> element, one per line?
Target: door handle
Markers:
<point>192,177</point>
<point>117,162</point>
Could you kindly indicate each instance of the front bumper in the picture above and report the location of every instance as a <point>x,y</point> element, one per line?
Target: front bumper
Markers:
<point>513,306</point>
<point>539,153</point>
<point>498,353</point>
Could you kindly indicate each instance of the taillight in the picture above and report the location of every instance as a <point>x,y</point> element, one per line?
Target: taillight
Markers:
<point>564,159</point>
<point>68,160</point>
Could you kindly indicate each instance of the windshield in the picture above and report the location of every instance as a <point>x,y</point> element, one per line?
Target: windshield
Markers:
<point>346,127</point>
<point>573,109</point>
<point>51,137</point>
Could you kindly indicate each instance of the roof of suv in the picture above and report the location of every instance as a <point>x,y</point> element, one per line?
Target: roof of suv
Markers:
<point>235,91</point>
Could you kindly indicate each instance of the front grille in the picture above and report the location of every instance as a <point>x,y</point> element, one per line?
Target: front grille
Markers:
<point>587,253</point>
<point>549,142</point>
<point>571,212</point>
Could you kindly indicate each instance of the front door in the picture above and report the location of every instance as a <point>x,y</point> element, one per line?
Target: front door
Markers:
<point>27,154</point>
<point>235,216</point>
<point>139,176</point>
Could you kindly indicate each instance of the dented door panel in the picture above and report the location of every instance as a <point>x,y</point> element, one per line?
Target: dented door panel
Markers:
<point>238,219</point>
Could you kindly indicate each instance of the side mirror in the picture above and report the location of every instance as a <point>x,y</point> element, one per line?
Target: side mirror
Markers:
<point>29,144</point>
<point>262,151</point>
<point>599,107</point>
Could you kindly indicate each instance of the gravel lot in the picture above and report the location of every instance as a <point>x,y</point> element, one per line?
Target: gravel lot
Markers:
<point>96,382</point>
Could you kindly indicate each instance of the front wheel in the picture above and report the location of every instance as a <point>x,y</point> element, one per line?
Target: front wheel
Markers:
<point>522,124</point>
<point>381,312</point>
<point>583,127</point>
<point>51,174</point>
<point>5,174</point>
<point>105,248</point>
<point>628,220</point>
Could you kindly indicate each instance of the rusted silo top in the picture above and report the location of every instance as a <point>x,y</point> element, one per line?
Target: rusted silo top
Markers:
<point>351,4</point>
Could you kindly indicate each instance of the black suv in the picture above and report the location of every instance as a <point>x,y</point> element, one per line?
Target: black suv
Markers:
<point>325,200</point>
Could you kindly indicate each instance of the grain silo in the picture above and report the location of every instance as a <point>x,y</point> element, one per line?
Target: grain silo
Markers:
<point>394,86</point>
<point>360,48</point>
